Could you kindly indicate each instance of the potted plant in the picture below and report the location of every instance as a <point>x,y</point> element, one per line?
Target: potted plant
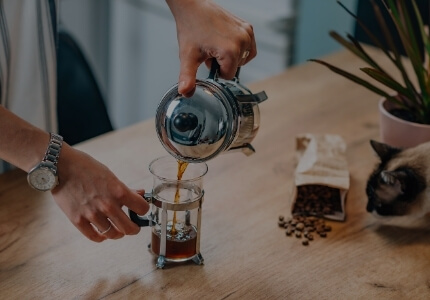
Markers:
<point>408,101</point>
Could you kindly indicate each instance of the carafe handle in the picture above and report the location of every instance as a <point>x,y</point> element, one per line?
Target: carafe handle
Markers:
<point>214,72</point>
<point>142,221</point>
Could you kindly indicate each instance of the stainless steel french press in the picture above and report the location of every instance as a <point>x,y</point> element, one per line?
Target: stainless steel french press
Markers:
<point>221,115</point>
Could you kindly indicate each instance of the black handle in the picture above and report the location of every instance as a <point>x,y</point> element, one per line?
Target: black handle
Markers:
<point>142,221</point>
<point>214,72</point>
<point>214,69</point>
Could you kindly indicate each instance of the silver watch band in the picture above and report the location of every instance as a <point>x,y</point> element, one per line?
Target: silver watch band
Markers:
<point>53,152</point>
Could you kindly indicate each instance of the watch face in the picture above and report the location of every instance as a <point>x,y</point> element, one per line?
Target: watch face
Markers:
<point>42,179</point>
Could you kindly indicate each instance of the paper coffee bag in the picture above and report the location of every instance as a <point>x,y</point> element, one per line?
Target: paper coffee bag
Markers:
<point>321,178</point>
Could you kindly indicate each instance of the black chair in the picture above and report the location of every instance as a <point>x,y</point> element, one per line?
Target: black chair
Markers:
<point>81,109</point>
<point>366,14</point>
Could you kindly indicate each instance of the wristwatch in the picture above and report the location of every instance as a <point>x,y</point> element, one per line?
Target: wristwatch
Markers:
<point>43,176</point>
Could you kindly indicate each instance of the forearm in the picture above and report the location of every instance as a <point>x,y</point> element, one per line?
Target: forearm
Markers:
<point>21,144</point>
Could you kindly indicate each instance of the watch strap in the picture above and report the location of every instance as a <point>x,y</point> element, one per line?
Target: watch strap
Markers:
<point>53,152</point>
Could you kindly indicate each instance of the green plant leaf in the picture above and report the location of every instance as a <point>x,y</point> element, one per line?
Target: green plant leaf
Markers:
<point>359,81</point>
<point>396,60</point>
<point>372,37</point>
<point>426,41</point>
<point>367,58</point>
<point>409,40</point>
<point>388,38</point>
<point>414,98</point>
<point>384,28</point>
<point>400,21</point>
<point>391,83</point>
<point>409,29</point>
<point>354,48</point>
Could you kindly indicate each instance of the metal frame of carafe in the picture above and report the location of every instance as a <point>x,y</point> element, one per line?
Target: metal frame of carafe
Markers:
<point>165,207</point>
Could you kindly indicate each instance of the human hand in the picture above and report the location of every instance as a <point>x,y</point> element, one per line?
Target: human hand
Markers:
<point>205,31</point>
<point>92,197</point>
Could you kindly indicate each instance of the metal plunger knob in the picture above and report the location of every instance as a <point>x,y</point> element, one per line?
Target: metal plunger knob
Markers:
<point>185,122</point>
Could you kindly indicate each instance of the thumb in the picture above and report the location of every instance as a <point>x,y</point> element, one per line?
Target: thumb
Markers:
<point>187,77</point>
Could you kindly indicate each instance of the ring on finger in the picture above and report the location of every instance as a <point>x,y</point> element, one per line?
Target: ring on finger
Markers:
<point>105,231</point>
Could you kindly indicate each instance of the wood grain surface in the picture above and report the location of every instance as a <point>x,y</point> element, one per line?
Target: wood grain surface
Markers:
<point>247,256</point>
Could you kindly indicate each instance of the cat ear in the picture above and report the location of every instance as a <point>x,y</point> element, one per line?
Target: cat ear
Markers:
<point>384,151</point>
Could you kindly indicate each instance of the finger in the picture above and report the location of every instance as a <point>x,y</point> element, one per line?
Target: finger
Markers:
<point>123,223</point>
<point>252,45</point>
<point>187,76</point>
<point>140,192</point>
<point>103,226</point>
<point>244,57</point>
<point>90,232</point>
<point>228,67</point>
<point>208,62</point>
<point>252,52</point>
<point>113,233</point>
<point>109,231</point>
<point>136,202</point>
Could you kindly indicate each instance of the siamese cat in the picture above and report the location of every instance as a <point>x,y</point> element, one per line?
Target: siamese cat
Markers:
<point>400,183</point>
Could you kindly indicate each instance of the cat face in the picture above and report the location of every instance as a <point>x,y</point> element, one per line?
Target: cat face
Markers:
<point>397,186</point>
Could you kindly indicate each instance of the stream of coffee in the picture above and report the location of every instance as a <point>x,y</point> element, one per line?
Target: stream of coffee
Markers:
<point>182,166</point>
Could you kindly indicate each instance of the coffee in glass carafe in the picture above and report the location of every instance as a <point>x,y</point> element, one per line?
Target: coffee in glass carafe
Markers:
<point>175,210</point>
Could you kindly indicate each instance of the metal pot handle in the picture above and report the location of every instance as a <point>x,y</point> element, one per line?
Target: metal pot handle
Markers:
<point>142,221</point>
<point>214,72</point>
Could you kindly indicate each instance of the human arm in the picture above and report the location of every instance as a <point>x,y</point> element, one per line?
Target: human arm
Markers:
<point>205,31</point>
<point>88,192</point>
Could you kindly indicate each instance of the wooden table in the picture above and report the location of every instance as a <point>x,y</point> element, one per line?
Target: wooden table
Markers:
<point>247,256</point>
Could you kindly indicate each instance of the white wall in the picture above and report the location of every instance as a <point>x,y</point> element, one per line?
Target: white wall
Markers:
<point>143,59</point>
<point>132,44</point>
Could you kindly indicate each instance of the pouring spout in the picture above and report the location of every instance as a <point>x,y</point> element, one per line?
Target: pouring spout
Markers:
<point>247,149</point>
<point>252,98</point>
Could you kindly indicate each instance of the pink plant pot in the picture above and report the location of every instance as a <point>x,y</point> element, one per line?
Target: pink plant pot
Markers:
<point>400,133</point>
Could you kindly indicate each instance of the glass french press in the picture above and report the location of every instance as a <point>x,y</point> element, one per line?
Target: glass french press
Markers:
<point>175,210</point>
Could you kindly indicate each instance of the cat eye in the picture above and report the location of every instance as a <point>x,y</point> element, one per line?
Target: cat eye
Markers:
<point>387,178</point>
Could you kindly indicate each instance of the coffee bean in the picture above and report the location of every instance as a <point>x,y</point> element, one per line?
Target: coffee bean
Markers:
<point>303,226</point>
<point>310,229</point>
<point>300,226</point>
<point>317,200</point>
<point>281,218</point>
<point>320,228</point>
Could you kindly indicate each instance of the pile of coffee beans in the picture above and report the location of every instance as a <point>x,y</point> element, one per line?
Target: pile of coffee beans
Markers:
<point>317,200</point>
<point>307,227</point>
